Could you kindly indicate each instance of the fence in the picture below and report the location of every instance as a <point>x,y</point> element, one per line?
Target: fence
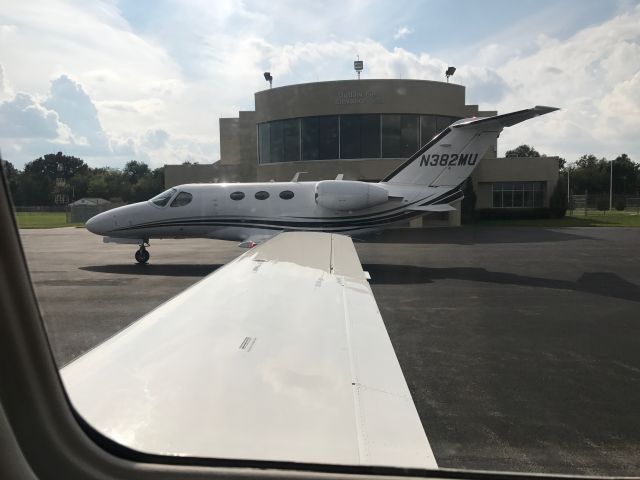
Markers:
<point>597,204</point>
<point>82,213</point>
<point>56,208</point>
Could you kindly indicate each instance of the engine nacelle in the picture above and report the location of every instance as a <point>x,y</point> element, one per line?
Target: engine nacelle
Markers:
<point>346,195</point>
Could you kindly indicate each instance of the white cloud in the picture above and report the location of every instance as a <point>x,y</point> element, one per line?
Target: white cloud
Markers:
<point>3,86</point>
<point>74,107</point>
<point>594,77</point>
<point>402,33</point>
<point>155,139</point>
<point>22,118</point>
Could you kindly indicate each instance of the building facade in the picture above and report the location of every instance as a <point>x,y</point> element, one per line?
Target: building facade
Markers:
<point>362,130</point>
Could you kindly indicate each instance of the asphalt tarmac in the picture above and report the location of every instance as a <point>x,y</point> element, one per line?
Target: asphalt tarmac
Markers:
<point>521,346</point>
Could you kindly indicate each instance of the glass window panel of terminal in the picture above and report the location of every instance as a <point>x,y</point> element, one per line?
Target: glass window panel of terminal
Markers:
<point>427,128</point>
<point>517,194</point>
<point>291,140</point>
<point>320,138</point>
<point>279,141</point>
<point>359,136</point>
<point>399,135</point>
<point>276,150</point>
<point>264,143</point>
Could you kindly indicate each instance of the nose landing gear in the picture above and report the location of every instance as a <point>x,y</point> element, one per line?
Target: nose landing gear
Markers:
<point>142,255</point>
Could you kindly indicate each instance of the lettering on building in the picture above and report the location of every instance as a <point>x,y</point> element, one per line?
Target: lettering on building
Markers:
<point>355,97</point>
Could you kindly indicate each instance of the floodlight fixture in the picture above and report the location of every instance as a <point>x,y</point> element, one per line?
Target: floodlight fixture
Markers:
<point>450,71</point>
<point>358,66</point>
<point>268,78</point>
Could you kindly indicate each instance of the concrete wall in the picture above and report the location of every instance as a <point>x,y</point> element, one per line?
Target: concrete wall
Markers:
<point>365,170</point>
<point>208,173</point>
<point>363,96</point>
<point>514,169</point>
<point>238,140</point>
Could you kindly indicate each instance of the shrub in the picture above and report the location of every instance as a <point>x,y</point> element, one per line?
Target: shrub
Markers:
<point>602,203</point>
<point>620,204</point>
<point>512,213</point>
<point>468,202</point>
<point>558,200</point>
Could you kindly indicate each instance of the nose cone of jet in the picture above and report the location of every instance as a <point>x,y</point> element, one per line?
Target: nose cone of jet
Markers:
<point>99,224</point>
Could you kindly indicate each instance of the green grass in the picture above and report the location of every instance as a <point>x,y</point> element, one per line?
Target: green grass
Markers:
<point>592,219</point>
<point>43,220</point>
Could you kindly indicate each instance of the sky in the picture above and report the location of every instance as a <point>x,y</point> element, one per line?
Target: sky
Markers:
<point>111,81</point>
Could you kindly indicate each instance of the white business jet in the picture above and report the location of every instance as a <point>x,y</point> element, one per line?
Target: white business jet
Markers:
<point>253,212</point>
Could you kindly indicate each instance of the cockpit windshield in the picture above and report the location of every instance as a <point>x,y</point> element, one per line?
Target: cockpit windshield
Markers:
<point>182,199</point>
<point>163,198</point>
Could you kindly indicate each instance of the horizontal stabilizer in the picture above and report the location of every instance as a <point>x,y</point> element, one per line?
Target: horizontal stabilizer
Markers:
<point>507,119</point>
<point>445,207</point>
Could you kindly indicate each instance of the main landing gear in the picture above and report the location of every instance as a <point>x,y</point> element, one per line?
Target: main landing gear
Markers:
<point>142,255</point>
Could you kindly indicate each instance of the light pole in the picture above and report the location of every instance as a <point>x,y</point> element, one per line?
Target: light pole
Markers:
<point>358,66</point>
<point>568,185</point>
<point>450,71</point>
<point>268,78</point>
<point>611,188</point>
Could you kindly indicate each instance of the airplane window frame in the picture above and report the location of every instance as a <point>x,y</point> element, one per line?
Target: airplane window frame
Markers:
<point>262,195</point>
<point>160,196</point>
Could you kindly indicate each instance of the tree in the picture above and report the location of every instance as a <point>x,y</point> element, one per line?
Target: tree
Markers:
<point>134,171</point>
<point>12,174</point>
<point>522,151</point>
<point>34,190</point>
<point>626,175</point>
<point>47,166</point>
<point>593,174</point>
<point>108,183</point>
<point>38,180</point>
<point>558,200</point>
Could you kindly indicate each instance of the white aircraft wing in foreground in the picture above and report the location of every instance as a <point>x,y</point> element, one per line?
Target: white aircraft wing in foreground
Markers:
<point>280,355</point>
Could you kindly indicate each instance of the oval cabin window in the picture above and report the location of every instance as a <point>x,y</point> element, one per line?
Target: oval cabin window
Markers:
<point>262,195</point>
<point>237,196</point>
<point>286,195</point>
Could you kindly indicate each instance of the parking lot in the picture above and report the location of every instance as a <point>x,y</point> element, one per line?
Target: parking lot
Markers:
<point>521,346</point>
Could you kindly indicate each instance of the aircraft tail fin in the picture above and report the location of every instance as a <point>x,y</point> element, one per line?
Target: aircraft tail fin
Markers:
<point>452,155</point>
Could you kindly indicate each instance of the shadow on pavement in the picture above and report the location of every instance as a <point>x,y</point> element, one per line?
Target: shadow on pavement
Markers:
<point>598,283</point>
<point>171,270</point>
<point>471,235</point>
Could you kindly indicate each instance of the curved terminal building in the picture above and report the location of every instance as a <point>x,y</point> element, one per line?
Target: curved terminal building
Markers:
<point>362,130</point>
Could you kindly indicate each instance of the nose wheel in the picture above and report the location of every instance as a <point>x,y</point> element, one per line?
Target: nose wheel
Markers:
<point>142,255</point>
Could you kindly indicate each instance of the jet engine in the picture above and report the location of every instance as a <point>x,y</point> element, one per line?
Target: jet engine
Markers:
<point>345,195</point>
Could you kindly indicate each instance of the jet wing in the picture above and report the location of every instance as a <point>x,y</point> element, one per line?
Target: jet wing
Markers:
<point>279,355</point>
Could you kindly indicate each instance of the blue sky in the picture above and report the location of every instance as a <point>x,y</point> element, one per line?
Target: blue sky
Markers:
<point>115,80</point>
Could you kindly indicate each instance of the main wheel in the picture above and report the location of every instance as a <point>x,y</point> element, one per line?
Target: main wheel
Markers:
<point>142,256</point>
